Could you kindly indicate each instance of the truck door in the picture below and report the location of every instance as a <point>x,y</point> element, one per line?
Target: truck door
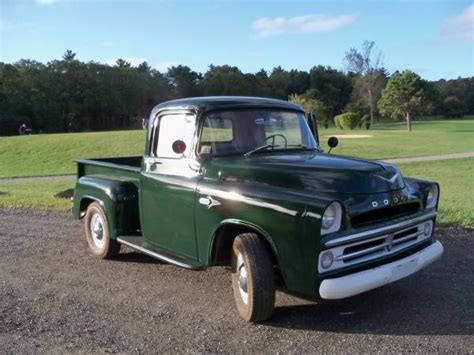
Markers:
<point>168,186</point>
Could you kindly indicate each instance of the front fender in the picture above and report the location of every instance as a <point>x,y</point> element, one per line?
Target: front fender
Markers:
<point>279,215</point>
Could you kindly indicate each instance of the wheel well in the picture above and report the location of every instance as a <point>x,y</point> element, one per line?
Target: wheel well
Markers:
<point>85,202</point>
<point>224,238</point>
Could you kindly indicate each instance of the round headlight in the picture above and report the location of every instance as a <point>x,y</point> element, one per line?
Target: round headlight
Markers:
<point>432,197</point>
<point>327,259</point>
<point>331,219</point>
<point>428,228</point>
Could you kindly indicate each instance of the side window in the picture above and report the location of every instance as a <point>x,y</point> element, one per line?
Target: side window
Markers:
<point>172,128</point>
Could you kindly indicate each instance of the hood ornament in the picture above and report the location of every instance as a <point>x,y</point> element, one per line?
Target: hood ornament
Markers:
<point>391,180</point>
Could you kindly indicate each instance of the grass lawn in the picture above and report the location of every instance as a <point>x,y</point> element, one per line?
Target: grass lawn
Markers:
<point>53,154</point>
<point>38,194</point>
<point>456,179</point>
<point>392,140</point>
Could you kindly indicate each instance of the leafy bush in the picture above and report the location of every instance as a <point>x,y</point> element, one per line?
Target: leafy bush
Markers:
<point>348,120</point>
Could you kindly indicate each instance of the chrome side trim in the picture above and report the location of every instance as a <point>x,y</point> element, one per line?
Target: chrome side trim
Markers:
<point>361,235</point>
<point>154,254</point>
<point>209,202</point>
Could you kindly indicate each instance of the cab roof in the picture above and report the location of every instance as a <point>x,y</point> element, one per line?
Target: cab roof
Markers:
<point>212,103</point>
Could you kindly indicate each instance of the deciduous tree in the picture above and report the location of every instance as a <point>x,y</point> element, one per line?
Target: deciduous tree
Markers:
<point>370,76</point>
<point>405,94</point>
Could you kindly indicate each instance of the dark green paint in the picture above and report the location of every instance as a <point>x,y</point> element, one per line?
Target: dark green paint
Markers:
<point>281,196</point>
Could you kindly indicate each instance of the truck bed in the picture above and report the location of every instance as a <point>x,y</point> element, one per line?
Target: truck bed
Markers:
<point>117,168</point>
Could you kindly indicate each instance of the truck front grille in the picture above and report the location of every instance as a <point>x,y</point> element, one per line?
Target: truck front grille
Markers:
<point>378,247</point>
<point>381,215</point>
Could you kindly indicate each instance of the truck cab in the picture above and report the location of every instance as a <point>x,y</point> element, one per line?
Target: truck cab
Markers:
<point>243,182</point>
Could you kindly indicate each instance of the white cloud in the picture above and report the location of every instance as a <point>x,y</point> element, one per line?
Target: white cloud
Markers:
<point>46,2</point>
<point>163,66</point>
<point>460,28</point>
<point>266,27</point>
<point>134,61</point>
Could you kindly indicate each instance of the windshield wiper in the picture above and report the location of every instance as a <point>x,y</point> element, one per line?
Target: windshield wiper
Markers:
<point>302,146</point>
<point>258,149</point>
<point>266,146</point>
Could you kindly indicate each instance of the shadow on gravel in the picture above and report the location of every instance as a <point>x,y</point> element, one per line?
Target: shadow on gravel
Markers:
<point>437,301</point>
<point>137,257</point>
<point>367,316</point>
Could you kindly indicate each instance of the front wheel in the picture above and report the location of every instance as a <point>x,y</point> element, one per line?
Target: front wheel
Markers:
<point>97,233</point>
<point>252,278</point>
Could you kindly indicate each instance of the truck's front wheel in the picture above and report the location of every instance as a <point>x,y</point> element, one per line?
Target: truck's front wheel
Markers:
<point>97,233</point>
<point>252,278</point>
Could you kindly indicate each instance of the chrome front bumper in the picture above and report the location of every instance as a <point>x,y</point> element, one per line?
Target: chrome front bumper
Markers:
<point>363,281</point>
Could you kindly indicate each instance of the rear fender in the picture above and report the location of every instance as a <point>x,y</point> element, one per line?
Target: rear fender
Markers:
<point>119,199</point>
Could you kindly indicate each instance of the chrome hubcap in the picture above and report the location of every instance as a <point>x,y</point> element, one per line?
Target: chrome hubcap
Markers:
<point>97,230</point>
<point>242,279</point>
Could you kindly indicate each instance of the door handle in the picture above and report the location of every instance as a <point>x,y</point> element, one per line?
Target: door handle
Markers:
<point>151,165</point>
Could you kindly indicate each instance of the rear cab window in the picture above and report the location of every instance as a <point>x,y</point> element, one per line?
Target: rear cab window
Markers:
<point>171,128</point>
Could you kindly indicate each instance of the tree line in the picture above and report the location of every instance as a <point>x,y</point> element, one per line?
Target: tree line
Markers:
<point>94,96</point>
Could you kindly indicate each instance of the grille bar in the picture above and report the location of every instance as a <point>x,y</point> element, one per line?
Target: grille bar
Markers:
<point>411,236</point>
<point>380,246</point>
<point>344,257</point>
<point>363,252</point>
<point>385,229</point>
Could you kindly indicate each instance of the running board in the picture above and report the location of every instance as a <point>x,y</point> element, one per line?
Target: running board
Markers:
<point>138,243</point>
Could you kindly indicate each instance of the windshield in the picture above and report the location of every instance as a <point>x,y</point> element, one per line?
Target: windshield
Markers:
<point>254,130</point>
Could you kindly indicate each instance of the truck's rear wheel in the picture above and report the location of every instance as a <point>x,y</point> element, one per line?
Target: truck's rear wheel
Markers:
<point>252,278</point>
<point>97,233</point>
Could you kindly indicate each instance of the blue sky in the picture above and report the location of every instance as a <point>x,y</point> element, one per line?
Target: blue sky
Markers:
<point>433,38</point>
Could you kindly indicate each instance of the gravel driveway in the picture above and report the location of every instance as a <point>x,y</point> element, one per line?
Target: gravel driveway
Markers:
<point>56,297</point>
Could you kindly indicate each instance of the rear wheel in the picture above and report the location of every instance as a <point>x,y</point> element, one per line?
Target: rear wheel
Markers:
<point>97,233</point>
<point>252,278</point>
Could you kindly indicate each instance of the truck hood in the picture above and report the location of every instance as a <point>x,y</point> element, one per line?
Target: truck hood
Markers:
<point>309,171</point>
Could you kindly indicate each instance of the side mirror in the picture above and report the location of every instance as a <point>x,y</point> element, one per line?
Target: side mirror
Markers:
<point>332,143</point>
<point>179,147</point>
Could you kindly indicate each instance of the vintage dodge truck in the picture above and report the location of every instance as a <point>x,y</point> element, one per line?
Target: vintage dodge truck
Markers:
<point>243,182</point>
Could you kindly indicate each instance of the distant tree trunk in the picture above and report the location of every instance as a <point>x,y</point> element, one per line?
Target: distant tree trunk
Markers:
<point>371,106</point>
<point>407,117</point>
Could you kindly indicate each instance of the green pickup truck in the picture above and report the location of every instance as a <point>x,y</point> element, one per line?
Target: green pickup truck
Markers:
<point>243,182</point>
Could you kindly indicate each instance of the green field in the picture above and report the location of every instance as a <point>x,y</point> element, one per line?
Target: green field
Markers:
<point>391,140</point>
<point>54,154</point>
<point>38,194</point>
<point>456,179</point>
